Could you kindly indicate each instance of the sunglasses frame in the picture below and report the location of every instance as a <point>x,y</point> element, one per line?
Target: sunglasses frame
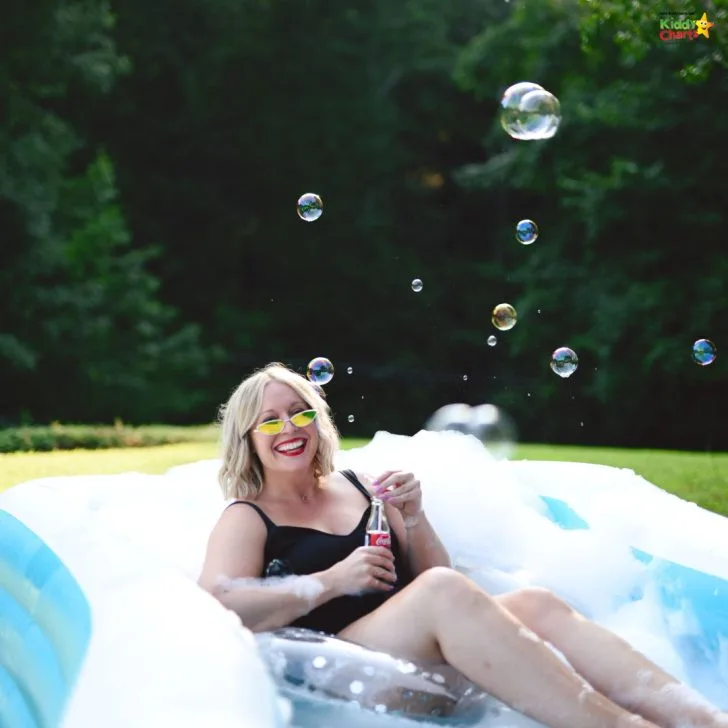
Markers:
<point>283,421</point>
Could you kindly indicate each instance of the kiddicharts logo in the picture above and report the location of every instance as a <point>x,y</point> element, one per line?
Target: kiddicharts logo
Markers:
<point>684,26</point>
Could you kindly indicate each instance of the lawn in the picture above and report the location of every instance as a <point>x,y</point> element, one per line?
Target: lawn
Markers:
<point>698,477</point>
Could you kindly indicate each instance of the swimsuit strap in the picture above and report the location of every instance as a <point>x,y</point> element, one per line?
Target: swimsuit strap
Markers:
<point>268,523</point>
<point>350,475</point>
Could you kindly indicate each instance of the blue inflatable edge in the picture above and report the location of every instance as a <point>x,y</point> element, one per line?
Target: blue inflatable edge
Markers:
<point>680,588</point>
<point>45,629</point>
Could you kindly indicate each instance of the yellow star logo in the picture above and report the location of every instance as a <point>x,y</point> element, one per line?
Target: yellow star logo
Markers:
<point>704,25</point>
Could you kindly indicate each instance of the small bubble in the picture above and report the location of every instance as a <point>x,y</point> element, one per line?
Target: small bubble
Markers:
<point>416,285</point>
<point>350,418</point>
<point>319,662</point>
<point>564,361</point>
<point>320,370</point>
<point>538,310</point>
<point>492,341</point>
<point>526,232</point>
<point>349,370</point>
<point>581,424</point>
<point>704,352</point>
<point>528,395</point>
<point>380,708</point>
<point>309,207</point>
<point>356,687</point>
<point>465,377</point>
<point>504,317</point>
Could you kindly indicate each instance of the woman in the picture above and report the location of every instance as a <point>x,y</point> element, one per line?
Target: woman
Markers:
<point>293,514</point>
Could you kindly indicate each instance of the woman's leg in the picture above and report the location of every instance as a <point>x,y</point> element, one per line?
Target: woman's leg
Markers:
<point>443,616</point>
<point>609,663</point>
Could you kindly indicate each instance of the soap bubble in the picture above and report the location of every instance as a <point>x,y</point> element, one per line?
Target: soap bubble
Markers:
<point>528,111</point>
<point>309,207</point>
<point>416,285</point>
<point>350,418</point>
<point>526,232</point>
<point>349,370</point>
<point>539,114</point>
<point>451,417</point>
<point>490,424</point>
<point>564,361</point>
<point>704,352</point>
<point>320,370</point>
<point>510,104</point>
<point>492,341</point>
<point>504,317</point>
<point>495,429</point>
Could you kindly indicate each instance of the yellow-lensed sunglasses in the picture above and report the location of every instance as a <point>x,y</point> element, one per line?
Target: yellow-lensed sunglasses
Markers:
<point>275,427</point>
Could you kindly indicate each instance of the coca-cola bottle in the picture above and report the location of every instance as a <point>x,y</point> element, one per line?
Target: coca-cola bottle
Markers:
<point>377,526</point>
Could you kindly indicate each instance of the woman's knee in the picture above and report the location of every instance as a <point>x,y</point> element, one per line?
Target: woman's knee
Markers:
<point>443,585</point>
<point>535,606</point>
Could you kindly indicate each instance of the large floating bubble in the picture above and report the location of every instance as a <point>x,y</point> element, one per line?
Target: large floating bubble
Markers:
<point>704,352</point>
<point>528,111</point>
<point>495,429</point>
<point>320,370</point>
<point>526,232</point>
<point>564,361</point>
<point>309,207</point>
<point>504,317</point>
<point>490,424</point>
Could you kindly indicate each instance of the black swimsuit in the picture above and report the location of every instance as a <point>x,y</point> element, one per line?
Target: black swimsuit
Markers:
<point>302,550</point>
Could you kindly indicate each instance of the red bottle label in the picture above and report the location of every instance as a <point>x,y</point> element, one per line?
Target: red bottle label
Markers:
<point>379,538</point>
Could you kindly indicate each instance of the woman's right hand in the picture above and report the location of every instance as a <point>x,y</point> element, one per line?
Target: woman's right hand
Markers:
<point>367,568</point>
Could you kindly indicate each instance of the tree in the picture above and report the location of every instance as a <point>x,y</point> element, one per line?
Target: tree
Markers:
<point>83,335</point>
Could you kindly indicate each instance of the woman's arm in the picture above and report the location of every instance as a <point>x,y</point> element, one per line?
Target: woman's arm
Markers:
<point>232,569</point>
<point>421,543</point>
<point>264,608</point>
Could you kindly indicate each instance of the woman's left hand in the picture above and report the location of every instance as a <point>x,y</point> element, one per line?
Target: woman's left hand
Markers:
<point>403,491</point>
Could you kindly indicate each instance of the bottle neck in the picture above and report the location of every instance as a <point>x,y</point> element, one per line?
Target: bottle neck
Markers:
<point>378,519</point>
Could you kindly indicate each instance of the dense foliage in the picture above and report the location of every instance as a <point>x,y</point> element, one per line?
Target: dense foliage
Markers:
<point>151,155</point>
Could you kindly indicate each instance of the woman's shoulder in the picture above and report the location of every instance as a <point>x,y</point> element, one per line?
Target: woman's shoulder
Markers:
<point>232,507</point>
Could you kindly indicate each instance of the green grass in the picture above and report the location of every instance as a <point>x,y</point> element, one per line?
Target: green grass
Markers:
<point>701,477</point>
<point>17,467</point>
<point>698,477</point>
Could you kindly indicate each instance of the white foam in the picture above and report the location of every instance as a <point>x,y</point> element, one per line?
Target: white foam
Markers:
<point>140,539</point>
<point>490,517</point>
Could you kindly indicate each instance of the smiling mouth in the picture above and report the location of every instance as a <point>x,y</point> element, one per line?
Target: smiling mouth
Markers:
<point>291,448</point>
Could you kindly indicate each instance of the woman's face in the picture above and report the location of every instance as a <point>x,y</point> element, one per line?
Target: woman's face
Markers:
<point>294,448</point>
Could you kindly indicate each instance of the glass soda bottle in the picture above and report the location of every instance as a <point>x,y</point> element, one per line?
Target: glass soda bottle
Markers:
<point>378,533</point>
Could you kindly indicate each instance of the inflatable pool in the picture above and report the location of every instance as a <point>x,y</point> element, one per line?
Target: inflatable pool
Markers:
<point>102,623</point>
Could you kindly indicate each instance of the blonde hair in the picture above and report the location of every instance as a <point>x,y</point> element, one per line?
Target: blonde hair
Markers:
<point>241,473</point>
